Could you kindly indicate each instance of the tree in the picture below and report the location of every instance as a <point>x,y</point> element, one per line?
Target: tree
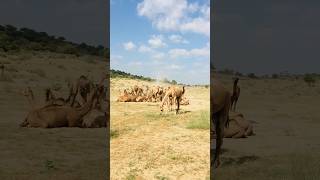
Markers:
<point>174,82</point>
<point>252,75</point>
<point>309,79</point>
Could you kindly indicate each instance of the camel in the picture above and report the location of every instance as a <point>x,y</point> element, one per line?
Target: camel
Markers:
<point>58,116</point>
<point>30,97</point>
<point>220,106</point>
<point>127,98</point>
<point>96,121</point>
<point>82,86</point>
<point>235,94</point>
<point>98,116</point>
<point>175,93</point>
<point>52,100</point>
<point>137,90</point>
<point>238,127</point>
<point>184,101</point>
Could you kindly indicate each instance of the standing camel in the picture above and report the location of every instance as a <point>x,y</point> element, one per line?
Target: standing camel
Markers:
<point>235,94</point>
<point>220,106</point>
<point>175,93</point>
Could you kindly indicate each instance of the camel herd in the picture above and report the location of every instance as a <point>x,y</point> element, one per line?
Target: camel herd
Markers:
<point>87,112</point>
<point>167,96</point>
<point>226,125</point>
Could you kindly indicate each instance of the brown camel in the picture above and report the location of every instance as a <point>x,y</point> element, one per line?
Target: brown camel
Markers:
<point>82,87</point>
<point>220,106</point>
<point>238,127</point>
<point>175,93</point>
<point>235,94</point>
<point>30,96</point>
<point>58,116</point>
<point>99,115</point>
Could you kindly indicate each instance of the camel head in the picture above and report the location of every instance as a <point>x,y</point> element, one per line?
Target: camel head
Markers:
<point>28,93</point>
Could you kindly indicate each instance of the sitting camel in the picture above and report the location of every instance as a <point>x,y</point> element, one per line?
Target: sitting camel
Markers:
<point>238,127</point>
<point>58,116</point>
<point>220,106</point>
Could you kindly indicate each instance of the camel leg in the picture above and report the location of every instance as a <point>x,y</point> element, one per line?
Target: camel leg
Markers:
<point>231,104</point>
<point>178,104</point>
<point>219,128</point>
<point>240,134</point>
<point>235,105</point>
<point>249,131</point>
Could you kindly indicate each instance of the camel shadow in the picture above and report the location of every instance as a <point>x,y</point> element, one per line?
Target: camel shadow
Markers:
<point>228,161</point>
<point>183,112</point>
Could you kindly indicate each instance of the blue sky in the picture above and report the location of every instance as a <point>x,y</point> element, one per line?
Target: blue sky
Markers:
<point>161,39</point>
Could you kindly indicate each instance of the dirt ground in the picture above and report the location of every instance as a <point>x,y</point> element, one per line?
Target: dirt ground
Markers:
<point>147,145</point>
<point>34,153</point>
<point>286,119</point>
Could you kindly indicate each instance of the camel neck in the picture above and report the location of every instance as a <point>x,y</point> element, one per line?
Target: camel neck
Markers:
<point>86,107</point>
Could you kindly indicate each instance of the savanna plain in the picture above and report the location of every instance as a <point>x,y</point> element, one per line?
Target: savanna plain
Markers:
<point>147,144</point>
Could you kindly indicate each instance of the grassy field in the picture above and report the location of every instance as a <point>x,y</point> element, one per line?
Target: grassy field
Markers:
<point>286,119</point>
<point>147,145</point>
<point>61,153</point>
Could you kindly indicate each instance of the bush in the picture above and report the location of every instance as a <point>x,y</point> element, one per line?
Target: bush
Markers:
<point>309,79</point>
<point>252,75</point>
<point>275,76</point>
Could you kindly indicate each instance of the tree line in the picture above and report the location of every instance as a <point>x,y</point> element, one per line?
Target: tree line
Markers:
<point>15,39</point>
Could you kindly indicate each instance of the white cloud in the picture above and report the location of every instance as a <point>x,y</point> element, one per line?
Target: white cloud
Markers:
<point>136,63</point>
<point>177,39</point>
<point>176,15</point>
<point>196,52</point>
<point>158,55</point>
<point>174,67</point>
<point>144,49</point>
<point>198,25</point>
<point>129,46</point>
<point>156,41</point>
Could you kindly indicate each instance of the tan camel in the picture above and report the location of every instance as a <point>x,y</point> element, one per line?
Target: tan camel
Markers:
<point>184,101</point>
<point>127,98</point>
<point>238,127</point>
<point>82,86</point>
<point>175,93</point>
<point>99,115</point>
<point>220,106</point>
<point>235,94</point>
<point>58,116</point>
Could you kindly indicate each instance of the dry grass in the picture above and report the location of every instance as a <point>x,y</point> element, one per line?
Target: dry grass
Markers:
<point>151,145</point>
